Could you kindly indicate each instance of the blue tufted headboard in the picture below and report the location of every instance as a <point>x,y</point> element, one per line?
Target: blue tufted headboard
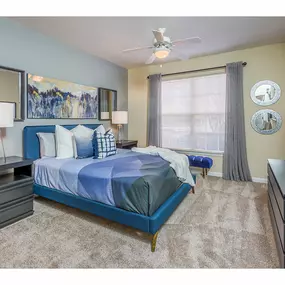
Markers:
<point>31,145</point>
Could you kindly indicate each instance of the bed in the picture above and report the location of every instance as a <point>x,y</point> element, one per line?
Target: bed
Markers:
<point>133,189</point>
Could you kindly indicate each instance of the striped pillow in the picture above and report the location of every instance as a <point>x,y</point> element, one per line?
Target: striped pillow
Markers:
<point>104,144</point>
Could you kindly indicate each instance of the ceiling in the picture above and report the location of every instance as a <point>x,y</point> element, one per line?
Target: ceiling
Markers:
<point>106,37</point>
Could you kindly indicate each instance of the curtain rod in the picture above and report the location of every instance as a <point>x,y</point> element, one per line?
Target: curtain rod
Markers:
<point>197,70</point>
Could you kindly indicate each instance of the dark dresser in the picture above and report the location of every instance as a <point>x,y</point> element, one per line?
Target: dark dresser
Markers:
<point>16,190</point>
<point>276,201</point>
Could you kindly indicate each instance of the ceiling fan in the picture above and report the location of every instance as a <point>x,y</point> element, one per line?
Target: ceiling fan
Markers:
<point>162,46</point>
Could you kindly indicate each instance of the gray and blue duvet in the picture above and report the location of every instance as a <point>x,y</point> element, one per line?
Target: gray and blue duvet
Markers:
<point>129,180</point>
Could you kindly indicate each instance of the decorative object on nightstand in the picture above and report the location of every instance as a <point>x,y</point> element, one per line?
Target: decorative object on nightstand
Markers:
<point>126,144</point>
<point>16,190</point>
<point>7,111</point>
<point>119,118</point>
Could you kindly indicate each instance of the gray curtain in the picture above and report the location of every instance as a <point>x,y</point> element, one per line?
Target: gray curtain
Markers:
<point>235,165</point>
<point>154,111</point>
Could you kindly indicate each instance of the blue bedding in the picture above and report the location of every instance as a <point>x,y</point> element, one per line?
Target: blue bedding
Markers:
<point>129,180</point>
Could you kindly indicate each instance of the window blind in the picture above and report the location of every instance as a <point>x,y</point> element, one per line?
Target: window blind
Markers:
<point>193,113</point>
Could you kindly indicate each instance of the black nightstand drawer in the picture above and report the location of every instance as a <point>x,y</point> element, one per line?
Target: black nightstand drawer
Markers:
<point>126,144</point>
<point>15,187</point>
<point>16,190</point>
<point>16,210</point>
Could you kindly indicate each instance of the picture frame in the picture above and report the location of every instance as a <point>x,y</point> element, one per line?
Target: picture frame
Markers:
<point>107,103</point>
<point>49,98</point>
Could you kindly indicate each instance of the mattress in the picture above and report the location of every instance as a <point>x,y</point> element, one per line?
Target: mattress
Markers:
<point>132,181</point>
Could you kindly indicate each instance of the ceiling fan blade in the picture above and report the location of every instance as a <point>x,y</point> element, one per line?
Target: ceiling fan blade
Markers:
<point>192,40</point>
<point>136,49</point>
<point>150,59</point>
<point>158,35</point>
<point>179,55</point>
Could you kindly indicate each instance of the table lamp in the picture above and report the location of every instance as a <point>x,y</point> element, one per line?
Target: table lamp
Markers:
<point>6,120</point>
<point>119,118</point>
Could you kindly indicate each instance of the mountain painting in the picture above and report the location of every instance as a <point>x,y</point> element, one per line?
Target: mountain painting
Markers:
<point>55,99</point>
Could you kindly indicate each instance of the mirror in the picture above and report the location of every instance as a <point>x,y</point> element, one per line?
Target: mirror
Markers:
<point>266,122</point>
<point>265,93</point>
<point>107,103</point>
<point>12,89</point>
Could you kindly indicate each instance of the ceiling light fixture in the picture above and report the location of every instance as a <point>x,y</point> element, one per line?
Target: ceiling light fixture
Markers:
<point>161,52</point>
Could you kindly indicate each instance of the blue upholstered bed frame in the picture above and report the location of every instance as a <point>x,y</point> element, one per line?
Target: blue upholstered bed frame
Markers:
<point>144,223</point>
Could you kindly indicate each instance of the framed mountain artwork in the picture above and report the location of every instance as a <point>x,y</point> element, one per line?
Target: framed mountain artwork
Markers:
<point>50,98</point>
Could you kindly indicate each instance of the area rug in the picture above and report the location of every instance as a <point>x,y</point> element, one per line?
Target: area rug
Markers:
<point>225,224</point>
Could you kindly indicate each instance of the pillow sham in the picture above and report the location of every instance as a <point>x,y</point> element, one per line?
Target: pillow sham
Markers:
<point>83,141</point>
<point>65,143</point>
<point>104,144</point>
<point>47,144</point>
<point>69,142</point>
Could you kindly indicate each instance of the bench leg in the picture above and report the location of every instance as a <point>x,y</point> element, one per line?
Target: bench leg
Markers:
<point>203,172</point>
<point>193,190</point>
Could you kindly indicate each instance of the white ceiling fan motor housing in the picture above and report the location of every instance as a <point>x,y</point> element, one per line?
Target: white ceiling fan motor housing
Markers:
<point>166,40</point>
<point>162,49</point>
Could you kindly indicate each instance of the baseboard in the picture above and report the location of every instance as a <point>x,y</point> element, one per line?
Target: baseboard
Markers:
<point>259,180</point>
<point>254,179</point>
<point>216,174</point>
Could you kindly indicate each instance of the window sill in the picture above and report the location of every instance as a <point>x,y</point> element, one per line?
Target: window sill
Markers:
<point>199,152</point>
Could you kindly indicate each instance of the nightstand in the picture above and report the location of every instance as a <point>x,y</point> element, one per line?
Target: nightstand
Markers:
<point>16,190</point>
<point>126,144</point>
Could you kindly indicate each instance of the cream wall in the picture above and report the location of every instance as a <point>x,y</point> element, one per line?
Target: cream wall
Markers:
<point>266,62</point>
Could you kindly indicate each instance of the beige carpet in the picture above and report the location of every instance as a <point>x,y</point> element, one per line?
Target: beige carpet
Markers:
<point>224,225</point>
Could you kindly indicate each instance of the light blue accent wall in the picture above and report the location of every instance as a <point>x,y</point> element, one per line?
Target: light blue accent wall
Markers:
<point>35,53</point>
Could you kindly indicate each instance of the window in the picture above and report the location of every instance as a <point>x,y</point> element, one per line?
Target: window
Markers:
<point>193,113</point>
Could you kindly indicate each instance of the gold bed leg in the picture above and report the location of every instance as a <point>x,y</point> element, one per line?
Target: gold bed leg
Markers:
<point>153,242</point>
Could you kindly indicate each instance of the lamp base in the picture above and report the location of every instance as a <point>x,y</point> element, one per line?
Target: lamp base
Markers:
<point>3,150</point>
<point>119,139</point>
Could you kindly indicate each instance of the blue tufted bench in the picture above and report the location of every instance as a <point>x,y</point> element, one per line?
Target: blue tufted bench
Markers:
<point>201,161</point>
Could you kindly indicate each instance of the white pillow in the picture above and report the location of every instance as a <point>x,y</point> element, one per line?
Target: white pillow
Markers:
<point>81,130</point>
<point>65,143</point>
<point>47,144</point>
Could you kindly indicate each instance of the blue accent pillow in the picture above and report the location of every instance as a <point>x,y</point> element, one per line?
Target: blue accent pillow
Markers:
<point>104,144</point>
<point>83,140</point>
<point>84,148</point>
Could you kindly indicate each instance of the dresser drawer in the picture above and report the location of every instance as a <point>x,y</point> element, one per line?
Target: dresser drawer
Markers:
<point>280,251</point>
<point>16,188</point>
<point>277,193</point>
<point>278,219</point>
<point>16,210</point>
